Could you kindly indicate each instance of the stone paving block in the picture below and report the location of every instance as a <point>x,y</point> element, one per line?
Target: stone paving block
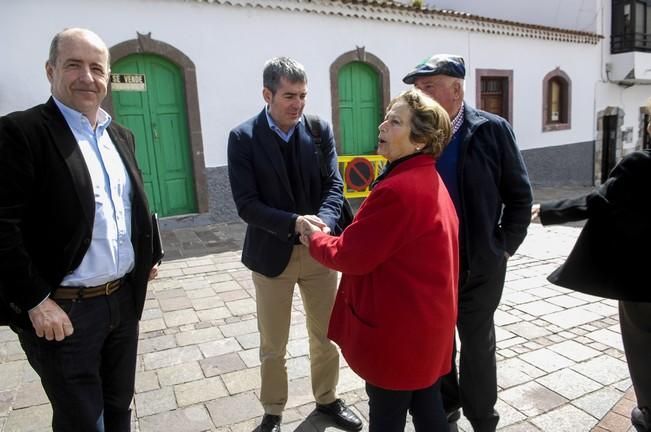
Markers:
<point>545,291</point>
<point>33,419</point>
<point>219,347</point>
<point>547,360</point>
<point>6,401</point>
<point>11,374</point>
<point>251,357</point>
<point>191,419</point>
<point>566,301</point>
<point>180,317</point>
<point>520,427</point>
<point>214,314</point>
<point>30,394</point>
<point>506,343</point>
<point>155,401</point>
<point>508,414</point>
<point>188,271</point>
<point>222,364</point>
<point>501,334</point>
<point>539,308</point>
<point>234,295</point>
<point>602,309</point>
<point>157,343</point>
<point>242,380</point>
<point>300,392</point>
<point>514,371</point>
<point>225,286</point>
<point>201,292</point>
<point>569,384</point>
<point>251,340</point>
<point>150,314</point>
<point>599,402</point>
<point>603,369</point>
<point>179,374</point>
<point>241,307</point>
<point>572,317</point>
<point>625,406</point>
<point>202,390</point>
<point>174,303</point>
<point>170,293</point>
<point>240,328</point>
<point>565,419</point>
<point>527,330</point>
<point>194,337</point>
<point>204,303</point>
<point>152,325</point>
<point>502,318</point>
<point>607,337</point>
<point>170,273</point>
<point>171,357</point>
<point>615,422</point>
<point>297,331</point>
<point>349,381</point>
<point>146,381</point>
<point>532,398</point>
<point>298,367</point>
<point>235,409</point>
<point>574,351</point>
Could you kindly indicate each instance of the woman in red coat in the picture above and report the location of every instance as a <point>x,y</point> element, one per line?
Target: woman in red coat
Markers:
<point>396,307</point>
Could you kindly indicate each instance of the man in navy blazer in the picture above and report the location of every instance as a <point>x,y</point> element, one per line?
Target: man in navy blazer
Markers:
<point>276,180</point>
<point>75,241</point>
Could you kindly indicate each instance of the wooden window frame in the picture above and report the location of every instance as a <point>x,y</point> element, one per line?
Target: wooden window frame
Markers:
<point>496,73</point>
<point>566,101</point>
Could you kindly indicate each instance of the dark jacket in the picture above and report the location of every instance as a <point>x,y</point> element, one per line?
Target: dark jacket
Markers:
<point>611,255</point>
<point>47,209</point>
<point>494,189</point>
<point>263,195</point>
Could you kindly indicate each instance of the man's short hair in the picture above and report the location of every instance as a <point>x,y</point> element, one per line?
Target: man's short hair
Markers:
<point>54,49</point>
<point>282,67</point>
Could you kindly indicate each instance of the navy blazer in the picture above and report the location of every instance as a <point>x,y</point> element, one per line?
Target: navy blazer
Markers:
<point>47,209</point>
<point>611,256</point>
<point>262,192</point>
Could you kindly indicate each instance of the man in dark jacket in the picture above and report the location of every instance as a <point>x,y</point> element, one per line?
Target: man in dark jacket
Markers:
<point>75,240</point>
<point>487,180</point>
<point>610,259</point>
<point>274,166</point>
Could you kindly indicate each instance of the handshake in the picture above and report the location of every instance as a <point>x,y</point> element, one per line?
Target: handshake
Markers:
<point>307,225</point>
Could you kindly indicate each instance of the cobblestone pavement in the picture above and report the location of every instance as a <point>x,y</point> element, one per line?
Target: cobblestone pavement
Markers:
<point>561,365</point>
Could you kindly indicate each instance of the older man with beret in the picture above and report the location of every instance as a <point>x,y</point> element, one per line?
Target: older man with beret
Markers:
<point>487,180</point>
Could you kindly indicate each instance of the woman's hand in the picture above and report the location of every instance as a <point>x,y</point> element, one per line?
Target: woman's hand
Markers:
<point>305,227</point>
<point>535,212</point>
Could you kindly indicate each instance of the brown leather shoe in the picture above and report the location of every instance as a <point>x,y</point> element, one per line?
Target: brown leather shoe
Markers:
<point>270,423</point>
<point>343,416</point>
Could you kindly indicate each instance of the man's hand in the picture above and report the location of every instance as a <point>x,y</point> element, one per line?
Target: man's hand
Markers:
<point>316,221</point>
<point>307,228</point>
<point>535,212</point>
<point>51,321</point>
<point>153,273</point>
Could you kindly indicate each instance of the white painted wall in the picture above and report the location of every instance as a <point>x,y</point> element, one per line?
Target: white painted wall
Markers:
<point>229,46</point>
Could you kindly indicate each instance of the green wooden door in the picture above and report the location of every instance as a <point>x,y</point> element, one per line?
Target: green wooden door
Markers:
<point>359,108</point>
<point>158,119</point>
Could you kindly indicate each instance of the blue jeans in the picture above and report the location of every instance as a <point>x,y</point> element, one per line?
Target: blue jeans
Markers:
<point>89,376</point>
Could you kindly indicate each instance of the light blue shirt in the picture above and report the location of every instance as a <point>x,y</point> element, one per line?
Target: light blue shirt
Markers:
<point>274,127</point>
<point>110,254</point>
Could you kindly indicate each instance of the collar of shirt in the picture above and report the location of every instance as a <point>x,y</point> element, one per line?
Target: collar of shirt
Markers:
<point>79,122</point>
<point>458,119</point>
<point>274,127</point>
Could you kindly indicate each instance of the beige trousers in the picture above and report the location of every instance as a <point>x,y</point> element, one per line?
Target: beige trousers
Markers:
<point>318,287</point>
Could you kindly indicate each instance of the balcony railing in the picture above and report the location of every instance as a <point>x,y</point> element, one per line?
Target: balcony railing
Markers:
<point>627,42</point>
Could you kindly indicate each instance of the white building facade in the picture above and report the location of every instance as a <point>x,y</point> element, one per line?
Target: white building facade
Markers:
<point>186,72</point>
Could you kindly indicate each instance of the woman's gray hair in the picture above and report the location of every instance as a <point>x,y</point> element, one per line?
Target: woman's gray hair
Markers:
<point>430,123</point>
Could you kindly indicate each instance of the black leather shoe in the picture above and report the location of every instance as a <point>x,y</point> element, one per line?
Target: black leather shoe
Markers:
<point>452,420</point>
<point>343,416</point>
<point>270,423</point>
<point>641,419</point>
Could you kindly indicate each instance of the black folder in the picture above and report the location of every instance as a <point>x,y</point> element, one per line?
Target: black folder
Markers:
<point>157,240</point>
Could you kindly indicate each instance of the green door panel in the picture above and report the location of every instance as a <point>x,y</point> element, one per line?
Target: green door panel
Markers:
<point>359,108</point>
<point>158,120</point>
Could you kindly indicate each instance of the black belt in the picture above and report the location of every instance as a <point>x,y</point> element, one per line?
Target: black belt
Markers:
<point>80,293</point>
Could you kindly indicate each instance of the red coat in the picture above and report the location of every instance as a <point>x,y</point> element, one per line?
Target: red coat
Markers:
<point>396,307</point>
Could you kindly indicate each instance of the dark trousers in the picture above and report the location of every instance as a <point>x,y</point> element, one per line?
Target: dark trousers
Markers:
<point>388,409</point>
<point>89,376</point>
<point>474,388</point>
<point>635,322</point>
